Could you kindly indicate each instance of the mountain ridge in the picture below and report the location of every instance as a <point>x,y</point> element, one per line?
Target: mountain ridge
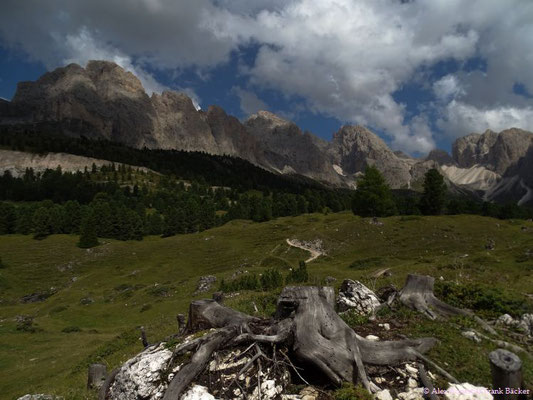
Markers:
<point>105,101</point>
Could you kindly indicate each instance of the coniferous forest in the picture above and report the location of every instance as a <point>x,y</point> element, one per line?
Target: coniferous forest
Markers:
<point>179,192</point>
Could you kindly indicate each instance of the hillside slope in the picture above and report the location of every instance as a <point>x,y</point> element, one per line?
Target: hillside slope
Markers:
<point>103,294</point>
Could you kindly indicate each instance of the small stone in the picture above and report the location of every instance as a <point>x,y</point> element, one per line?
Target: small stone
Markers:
<point>467,391</point>
<point>372,338</point>
<point>383,395</point>
<point>412,371</point>
<point>505,319</point>
<point>309,393</point>
<point>386,327</point>
<point>412,383</point>
<point>471,335</point>
<point>198,392</point>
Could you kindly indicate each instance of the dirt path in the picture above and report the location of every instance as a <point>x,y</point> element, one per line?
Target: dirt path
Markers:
<point>315,252</point>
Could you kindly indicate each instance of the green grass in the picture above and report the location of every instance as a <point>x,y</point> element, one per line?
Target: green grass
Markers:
<point>129,284</point>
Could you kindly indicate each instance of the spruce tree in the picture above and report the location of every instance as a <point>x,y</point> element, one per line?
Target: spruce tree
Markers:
<point>42,226</point>
<point>434,197</point>
<point>88,236</point>
<point>373,197</point>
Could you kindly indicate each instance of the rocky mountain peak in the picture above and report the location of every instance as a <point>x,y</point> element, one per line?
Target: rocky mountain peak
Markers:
<point>440,156</point>
<point>113,80</point>
<point>349,136</point>
<point>268,120</point>
<point>495,151</point>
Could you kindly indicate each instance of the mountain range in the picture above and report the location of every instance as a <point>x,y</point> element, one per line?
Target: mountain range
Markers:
<point>104,101</point>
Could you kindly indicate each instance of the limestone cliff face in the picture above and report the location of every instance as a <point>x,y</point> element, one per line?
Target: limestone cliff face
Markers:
<point>103,100</point>
<point>100,101</point>
<point>232,138</point>
<point>178,125</point>
<point>287,149</point>
<point>354,148</point>
<point>495,151</point>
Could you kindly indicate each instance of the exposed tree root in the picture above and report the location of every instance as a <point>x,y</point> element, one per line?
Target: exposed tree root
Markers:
<point>418,295</point>
<point>306,330</point>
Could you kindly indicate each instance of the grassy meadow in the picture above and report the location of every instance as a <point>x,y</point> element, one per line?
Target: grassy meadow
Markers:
<point>101,296</point>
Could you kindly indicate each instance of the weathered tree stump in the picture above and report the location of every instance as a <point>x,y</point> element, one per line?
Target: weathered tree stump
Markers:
<point>143,338</point>
<point>305,330</point>
<point>506,368</point>
<point>181,323</point>
<point>418,294</point>
<point>96,376</point>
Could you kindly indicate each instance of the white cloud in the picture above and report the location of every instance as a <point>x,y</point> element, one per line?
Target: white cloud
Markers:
<point>460,119</point>
<point>448,88</point>
<point>249,102</point>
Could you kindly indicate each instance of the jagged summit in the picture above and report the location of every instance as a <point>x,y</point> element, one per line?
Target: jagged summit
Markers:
<point>103,100</point>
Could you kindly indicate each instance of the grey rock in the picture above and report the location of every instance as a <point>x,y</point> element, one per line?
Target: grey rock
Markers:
<point>441,157</point>
<point>353,295</point>
<point>205,283</point>
<point>354,148</point>
<point>467,391</point>
<point>143,376</point>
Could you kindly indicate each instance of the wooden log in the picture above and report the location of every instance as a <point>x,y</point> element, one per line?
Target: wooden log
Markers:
<point>96,376</point>
<point>206,314</point>
<point>104,390</point>
<point>198,362</point>
<point>506,369</point>
<point>181,323</point>
<point>143,338</point>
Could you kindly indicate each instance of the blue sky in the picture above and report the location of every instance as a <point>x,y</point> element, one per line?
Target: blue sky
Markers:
<point>418,73</point>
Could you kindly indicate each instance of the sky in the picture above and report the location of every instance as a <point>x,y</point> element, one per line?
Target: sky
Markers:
<point>419,73</point>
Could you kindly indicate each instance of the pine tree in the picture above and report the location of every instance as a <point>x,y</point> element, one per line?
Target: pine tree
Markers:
<point>434,197</point>
<point>88,237</point>
<point>8,218</point>
<point>42,226</point>
<point>373,197</point>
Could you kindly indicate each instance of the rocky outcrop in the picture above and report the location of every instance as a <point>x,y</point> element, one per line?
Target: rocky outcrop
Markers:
<point>103,100</point>
<point>524,324</point>
<point>16,162</point>
<point>286,149</point>
<point>495,151</point>
<point>441,157</point>
<point>354,148</point>
<point>353,295</point>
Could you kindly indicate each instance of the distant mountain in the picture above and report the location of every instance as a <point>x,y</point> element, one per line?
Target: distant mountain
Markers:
<point>105,101</point>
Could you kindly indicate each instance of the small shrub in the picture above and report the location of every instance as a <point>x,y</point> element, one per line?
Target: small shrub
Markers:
<point>123,287</point>
<point>160,291</point>
<point>146,307</point>
<point>271,279</point>
<point>71,329</point>
<point>86,301</point>
<point>57,309</point>
<point>353,319</point>
<point>367,263</point>
<point>299,275</point>
<point>350,392</point>
<point>244,282</point>
<point>490,301</point>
